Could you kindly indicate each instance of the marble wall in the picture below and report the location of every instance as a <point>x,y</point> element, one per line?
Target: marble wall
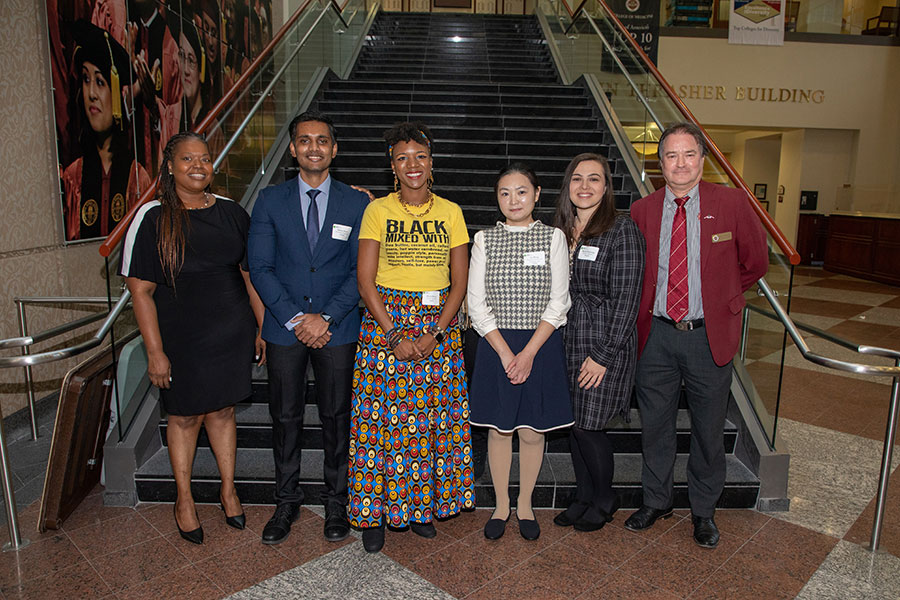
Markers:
<point>33,260</point>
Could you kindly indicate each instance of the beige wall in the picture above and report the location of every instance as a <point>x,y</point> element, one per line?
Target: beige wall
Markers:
<point>32,259</point>
<point>850,87</point>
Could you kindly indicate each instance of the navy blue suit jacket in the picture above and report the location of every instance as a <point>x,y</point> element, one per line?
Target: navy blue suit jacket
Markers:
<point>289,278</point>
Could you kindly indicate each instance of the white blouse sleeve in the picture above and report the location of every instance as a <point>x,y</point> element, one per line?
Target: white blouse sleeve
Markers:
<point>480,313</point>
<point>559,303</point>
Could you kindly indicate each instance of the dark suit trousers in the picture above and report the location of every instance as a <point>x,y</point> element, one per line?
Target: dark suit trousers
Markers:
<point>670,358</point>
<point>333,369</point>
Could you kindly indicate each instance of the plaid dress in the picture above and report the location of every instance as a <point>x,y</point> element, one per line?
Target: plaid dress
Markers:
<point>605,295</point>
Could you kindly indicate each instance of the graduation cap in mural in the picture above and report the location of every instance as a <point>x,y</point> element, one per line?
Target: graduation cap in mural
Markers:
<point>98,47</point>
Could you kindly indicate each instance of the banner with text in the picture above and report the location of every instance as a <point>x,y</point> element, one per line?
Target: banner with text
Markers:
<point>641,19</point>
<point>757,22</point>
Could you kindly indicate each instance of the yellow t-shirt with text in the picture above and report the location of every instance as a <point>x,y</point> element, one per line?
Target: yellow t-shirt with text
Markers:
<point>415,251</point>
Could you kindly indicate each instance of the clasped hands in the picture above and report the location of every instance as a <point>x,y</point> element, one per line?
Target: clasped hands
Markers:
<point>517,366</point>
<point>415,349</point>
<point>312,330</point>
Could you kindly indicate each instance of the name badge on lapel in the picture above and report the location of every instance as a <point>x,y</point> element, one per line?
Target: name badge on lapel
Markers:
<point>341,232</point>
<point>534,259</point>
<point>721,237</point>
<point>588,253</point>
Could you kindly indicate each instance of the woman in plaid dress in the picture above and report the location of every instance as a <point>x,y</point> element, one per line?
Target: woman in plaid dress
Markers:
<point>607,266</point>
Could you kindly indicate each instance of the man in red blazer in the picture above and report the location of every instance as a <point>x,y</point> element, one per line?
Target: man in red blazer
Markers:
<point>689,324</point>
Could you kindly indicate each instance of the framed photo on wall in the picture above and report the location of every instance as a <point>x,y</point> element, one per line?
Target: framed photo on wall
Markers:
<point>759,190</point>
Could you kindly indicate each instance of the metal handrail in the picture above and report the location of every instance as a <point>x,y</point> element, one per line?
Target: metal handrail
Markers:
<point>28,340</point>
<point>642,58</point>
<point>16,542</point>
<point>793,330</point>
<point>7,362</point>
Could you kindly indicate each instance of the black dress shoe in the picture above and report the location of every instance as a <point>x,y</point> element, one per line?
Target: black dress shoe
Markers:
<point>425,530</point>
<point>495,528</point>
<point>706,534</point>
<point>586,523</point>
<point>373,539</point>
<point>238,522</point>
<point>279,526</point>
<point>195,536</point>
<point>529,528</point>
<point>568,517</point>
<point>645,517</point>
<point>337,527</point>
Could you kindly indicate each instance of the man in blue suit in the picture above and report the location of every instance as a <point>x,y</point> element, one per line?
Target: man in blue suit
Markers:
<point>302,252</point>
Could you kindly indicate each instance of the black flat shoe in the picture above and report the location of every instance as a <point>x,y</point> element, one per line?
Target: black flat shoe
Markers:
<point>529,528</point>
<point>645,517</point>
<point>425,530</point>
<point>238,522</point>
<point>373,539</point>
<point>194,536</point>
<point>495,528</point>
<point>568,517</point>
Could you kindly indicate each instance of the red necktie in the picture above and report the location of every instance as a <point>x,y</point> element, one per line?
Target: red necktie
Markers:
<point>677,291</point>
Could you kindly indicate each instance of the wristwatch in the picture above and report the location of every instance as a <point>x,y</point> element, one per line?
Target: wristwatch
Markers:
<point>329,320</point>
<point>438,333</point>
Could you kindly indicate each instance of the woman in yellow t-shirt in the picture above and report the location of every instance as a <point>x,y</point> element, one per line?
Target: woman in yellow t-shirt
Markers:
<point>410,451</point>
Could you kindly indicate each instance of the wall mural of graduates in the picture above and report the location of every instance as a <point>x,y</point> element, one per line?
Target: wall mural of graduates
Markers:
<point>127,75</point>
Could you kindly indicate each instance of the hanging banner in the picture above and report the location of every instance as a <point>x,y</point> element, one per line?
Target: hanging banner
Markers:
<point>758,22</point>
<point>641,19</point>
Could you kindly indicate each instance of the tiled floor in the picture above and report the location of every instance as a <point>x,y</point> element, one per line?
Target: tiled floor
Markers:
<point>832,424</point>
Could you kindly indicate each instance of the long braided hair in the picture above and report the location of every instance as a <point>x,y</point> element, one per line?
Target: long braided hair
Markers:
<point>173,224</point>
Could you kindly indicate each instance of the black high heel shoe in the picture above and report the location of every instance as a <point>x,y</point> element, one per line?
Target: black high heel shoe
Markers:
<point>194,536</point>
<point>238,521</point>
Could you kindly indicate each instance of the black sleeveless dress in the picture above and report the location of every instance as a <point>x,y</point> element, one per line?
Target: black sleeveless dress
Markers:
<point>205,320</point>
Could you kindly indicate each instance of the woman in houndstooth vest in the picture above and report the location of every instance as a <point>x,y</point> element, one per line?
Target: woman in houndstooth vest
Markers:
<point>607,266</point>
<point>518,298</point>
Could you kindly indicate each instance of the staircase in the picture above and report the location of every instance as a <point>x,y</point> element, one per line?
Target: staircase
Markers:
<point>488,90</point>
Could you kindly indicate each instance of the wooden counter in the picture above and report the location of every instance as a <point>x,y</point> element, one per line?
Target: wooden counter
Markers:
<point>865,246</point>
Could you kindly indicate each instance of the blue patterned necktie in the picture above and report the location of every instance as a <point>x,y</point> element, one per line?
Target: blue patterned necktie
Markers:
<point>312,219</point>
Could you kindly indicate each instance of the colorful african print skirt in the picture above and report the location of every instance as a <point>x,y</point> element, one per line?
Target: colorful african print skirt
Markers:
<point>410,445</point>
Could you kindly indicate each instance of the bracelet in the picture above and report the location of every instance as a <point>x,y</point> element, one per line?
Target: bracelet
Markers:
<point>394,336</point>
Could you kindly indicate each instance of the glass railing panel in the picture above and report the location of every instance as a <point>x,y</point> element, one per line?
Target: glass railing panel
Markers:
<point>319,39</point>
<point>591,43</point>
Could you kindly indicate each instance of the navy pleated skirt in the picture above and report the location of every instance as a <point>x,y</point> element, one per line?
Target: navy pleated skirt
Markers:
<point>541,403</point>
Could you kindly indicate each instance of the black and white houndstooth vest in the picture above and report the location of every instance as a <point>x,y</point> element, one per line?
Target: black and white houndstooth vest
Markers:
<point>517,293</point>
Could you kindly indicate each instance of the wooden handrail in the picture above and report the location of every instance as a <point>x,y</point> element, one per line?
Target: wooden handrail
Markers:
<point>773,229</point>
<point>118,233</point>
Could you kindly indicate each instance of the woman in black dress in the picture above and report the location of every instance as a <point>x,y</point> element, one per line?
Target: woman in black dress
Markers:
<point>184,260</point>
<point>607,267</point>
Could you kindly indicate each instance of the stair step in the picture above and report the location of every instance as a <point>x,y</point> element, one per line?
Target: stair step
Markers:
<point>255,480</point>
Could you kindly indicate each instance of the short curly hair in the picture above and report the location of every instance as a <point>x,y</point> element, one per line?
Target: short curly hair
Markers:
<point>408,132</point>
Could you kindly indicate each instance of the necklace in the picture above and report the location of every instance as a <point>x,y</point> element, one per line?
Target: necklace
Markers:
<point>205,203</point>
<point>405,205</point>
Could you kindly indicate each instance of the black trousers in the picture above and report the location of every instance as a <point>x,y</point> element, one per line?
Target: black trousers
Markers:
<point>333,368</point>
<point>670,358</point>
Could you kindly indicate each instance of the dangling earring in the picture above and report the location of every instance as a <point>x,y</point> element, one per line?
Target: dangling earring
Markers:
<point>430,181</point>
<point>396,183</point>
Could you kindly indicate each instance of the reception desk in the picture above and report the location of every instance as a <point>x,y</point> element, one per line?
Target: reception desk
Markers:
<point>865,245</point>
